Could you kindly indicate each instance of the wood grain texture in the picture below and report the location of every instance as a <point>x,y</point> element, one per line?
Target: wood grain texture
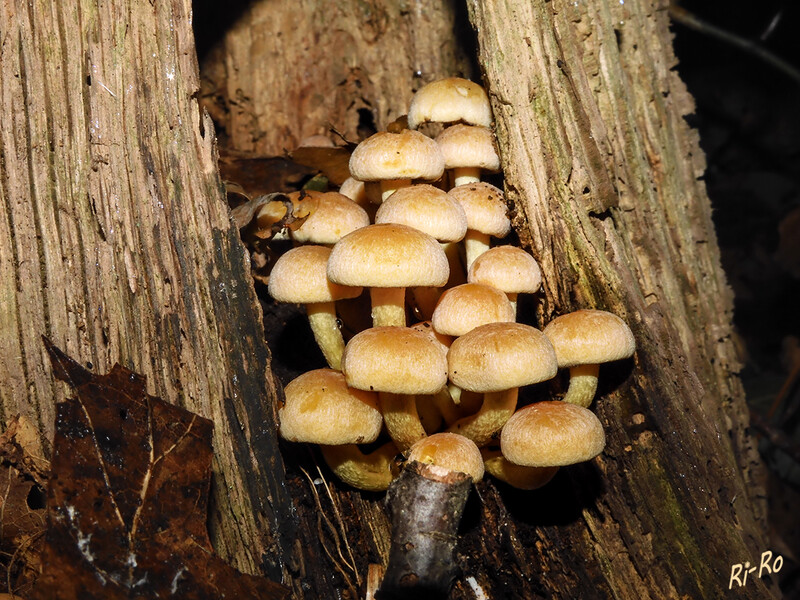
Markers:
<point>116,243</point>
<point>604,176</point>
<point>276,78</point>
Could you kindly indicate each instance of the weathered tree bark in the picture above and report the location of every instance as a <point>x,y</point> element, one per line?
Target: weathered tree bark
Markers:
<point>603,173</point>
<point>116,243</point>
<point>274,78</point>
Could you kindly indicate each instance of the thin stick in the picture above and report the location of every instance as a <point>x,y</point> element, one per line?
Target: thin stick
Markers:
<point>684,17</point>
<point>340,522</point>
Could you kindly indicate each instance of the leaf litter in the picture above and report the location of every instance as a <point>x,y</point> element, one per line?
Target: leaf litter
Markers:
<point>127,499</point>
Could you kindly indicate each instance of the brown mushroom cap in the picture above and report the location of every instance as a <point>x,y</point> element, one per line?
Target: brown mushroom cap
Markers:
<point>300,275</point>
<point>320,408</point>
<point>500,356</point>
<point>404,155</point>
<point>464,307</point>
<point>552,434</point>
<point>588,337</point>
<point>331,216</point>
<point>507,268</point>
<point>485,207</point>
<point>468,146</point>
<point>398,360</point>
<point>388,256</point>
<point>451,451</point>
<point>449,100</point>
<point>426,208</point>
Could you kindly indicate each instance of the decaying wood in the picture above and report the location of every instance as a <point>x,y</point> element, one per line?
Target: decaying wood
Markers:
<point>275,79</point>
<point>603,173</point>
<point>425,503</point>
<point>116,242</point>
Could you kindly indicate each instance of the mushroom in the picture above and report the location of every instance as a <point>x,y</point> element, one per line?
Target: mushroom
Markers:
<point>465,307</point>
<point>582,340</point>
<point>399,363</point>
<point>300,275</point>
<point>496,359</point>
<point>331,216</point>
<point>395,159</point>
<point>432,211</point>
<point>451,451</point>
<point>522,478</point>
<point>426,208</point>
<point>387,258</point>
<point>449,100</point>
<point>487,216</point>
<point>507,268</point>
<point>552,434</point>
<point>468,150</point>
<point>320,408</point>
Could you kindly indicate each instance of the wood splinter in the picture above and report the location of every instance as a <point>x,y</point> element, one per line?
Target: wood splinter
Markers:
<point>425,504</point>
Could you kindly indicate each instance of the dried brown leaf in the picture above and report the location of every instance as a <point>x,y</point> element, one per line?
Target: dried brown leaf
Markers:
<point>334,163</point>
<point>258,175</point>
<point>128,497</point>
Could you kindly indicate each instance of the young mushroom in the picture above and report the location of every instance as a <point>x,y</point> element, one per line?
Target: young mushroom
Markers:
<point>432,211</point>
<point>399,363</point>
<point>468,151</point>
<point>467,306</point>
<point>320,408</point>
<point>330,216</point>
<point>552,434</point>
<point>451,451</point>
<point>507,268</point>
<point>450,100</point>
<point>583,340</point>
<point>300,276</point>
<point>496,359</point>
<point>387,258</point>
<point>487,216</point>
<point>395,159</point>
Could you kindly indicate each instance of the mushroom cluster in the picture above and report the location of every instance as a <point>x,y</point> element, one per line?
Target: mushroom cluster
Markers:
<point>414,225</point>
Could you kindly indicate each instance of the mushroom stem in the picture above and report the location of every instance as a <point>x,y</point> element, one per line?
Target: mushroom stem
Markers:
<point>582,385</point>
<point>324,326</point>
<point>447,408</point>
<point>429,414</point>
<point>496,409</point>
<point>455,393</point>
<point>370,472</point>
<point>390,186</point>
<point>401,419</point>
<point>464,175</point>
<point>475,244</point>
<point>522,478</point>
<point>388,307</point>
<point>512,297</point>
